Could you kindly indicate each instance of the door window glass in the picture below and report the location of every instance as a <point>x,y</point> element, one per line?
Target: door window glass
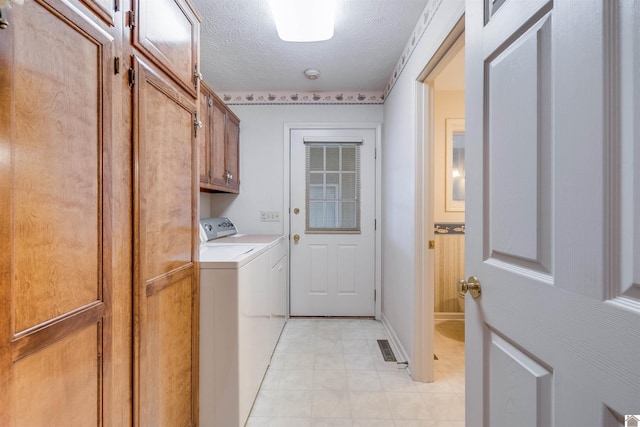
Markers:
<point>332,187</point>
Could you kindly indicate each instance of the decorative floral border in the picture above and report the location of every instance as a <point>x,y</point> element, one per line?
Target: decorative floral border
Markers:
<point>427,15</point>
<point>334,97</point>
<point>449,228</point>
<point>280,98</point>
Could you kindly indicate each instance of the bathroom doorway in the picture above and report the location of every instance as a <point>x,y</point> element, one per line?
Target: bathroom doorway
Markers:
<point>443,128</point>
<point>447,163</point>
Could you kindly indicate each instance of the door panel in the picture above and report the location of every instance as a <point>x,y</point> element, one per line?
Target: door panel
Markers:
<point>56,230</point>
<point>204,135</point>
<point>218,146</point>
<point>166,289</point>
<point>166,366</point>
<point>232,158</point>
<point>176,55</point>
<point>530,385</point>
<point>550,171</point>
<point>519,195</point>
<point>68,370</point>
<point>332,271</point>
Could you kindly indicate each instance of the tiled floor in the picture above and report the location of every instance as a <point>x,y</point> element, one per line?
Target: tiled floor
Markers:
<point>330,372</point>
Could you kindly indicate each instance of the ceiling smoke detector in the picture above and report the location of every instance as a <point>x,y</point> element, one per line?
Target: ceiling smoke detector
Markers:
<point>311,73</point>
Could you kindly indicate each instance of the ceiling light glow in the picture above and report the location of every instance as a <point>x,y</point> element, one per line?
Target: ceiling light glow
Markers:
<point>304,20</point>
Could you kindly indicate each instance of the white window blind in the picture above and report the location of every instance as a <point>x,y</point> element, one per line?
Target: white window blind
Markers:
<point>332,186</point>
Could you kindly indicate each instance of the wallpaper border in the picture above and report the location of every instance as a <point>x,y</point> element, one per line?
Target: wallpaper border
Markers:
<point>449,228</point>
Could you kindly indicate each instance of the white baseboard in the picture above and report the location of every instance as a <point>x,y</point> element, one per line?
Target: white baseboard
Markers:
<point>448,316</point>
<point>396,345</point>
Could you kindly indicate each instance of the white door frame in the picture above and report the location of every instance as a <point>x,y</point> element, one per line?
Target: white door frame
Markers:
<point>422,368</point>
<point>377,127</point>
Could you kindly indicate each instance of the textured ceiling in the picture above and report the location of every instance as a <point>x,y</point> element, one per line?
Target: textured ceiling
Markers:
<point>241,51</point>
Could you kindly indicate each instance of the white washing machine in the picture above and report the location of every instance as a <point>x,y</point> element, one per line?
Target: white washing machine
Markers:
<point>236,321</point>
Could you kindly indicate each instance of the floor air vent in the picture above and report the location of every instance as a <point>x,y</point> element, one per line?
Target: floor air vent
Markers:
<point>387,353</point>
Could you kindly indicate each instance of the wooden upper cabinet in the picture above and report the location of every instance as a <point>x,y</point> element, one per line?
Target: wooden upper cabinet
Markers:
<point>204,134</point>
<point>218,146</point>
<point>104,9</point>
<point>219,159</point>
<point>167,32</point>
<point>56,229</point>
<point>232,157</point>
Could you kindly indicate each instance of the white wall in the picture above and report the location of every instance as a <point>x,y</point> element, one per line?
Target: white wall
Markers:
<point>400,180</point>
<point>262,159</point>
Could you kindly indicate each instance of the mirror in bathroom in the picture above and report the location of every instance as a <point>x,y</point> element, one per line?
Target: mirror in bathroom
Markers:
<point>455,165</point>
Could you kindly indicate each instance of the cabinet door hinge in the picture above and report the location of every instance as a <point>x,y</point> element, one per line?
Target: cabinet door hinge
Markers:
<point>197,76</point>
<point>210,101</point>
<point>196,124</point>
<point>132,77</point>
<point>131,19</point>
<point>116,65</point>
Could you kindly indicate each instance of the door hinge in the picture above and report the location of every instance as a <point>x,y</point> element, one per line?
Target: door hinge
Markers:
<point>432,244</point>
<point>375,224</point>
<point>116,65</point>
<point>375,295</point>
<point>132,77</point>
<point>116,5</point>
<point>131,17</point>
<point>197,76</point>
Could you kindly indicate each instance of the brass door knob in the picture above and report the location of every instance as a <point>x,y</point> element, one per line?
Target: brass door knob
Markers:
<point>471,285</point>
<point>296,238</point>
<point>296,211</point>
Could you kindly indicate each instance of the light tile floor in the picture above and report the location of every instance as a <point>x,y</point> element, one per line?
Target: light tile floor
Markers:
<point>330,372</point>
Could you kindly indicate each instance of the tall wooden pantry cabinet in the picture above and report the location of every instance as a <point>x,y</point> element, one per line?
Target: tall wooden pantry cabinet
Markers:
<point>98,213</point>
<point>165,82</point>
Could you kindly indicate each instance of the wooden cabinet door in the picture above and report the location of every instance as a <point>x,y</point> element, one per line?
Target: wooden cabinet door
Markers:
<point>176,55</point>
<point>218,148</point>
<point>56,242</point>
<point>232,158</point>
<point>165,276</point>
<point>204,135</point>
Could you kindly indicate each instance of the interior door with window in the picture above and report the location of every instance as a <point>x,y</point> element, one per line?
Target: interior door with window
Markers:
<point>332,222</point>
<point>553,212</point>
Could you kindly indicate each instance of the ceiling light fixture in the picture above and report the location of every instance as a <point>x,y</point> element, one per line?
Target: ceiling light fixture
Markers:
<point>304,20</point>
<point>311,73</point>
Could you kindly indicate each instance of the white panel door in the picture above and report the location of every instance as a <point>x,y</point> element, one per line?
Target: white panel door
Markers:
<point>333,261</point>
<point>553,212</point>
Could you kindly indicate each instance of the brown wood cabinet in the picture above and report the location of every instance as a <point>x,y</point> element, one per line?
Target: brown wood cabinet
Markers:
<point>98,188</point>
<point>219,144</point>
<point>59,260</point>
<point>166,286</point>
<point>165,189</point>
